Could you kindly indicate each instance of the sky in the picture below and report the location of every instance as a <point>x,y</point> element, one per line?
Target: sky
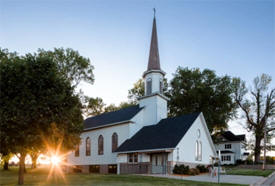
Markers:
<point>231,37</point>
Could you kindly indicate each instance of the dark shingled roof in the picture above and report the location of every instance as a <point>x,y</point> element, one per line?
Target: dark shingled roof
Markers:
<point>232,137</point>
<point>121,115</point>
<point>166,134</point>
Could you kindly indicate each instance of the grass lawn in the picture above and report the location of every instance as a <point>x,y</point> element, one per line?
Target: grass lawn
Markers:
<point>39,177</point>
<point>249,172</point>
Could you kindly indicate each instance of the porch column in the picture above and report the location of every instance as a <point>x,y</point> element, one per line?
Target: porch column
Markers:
<point>118,168</point>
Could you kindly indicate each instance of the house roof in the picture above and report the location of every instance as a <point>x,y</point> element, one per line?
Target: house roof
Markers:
<point>108,118</point>
<point>227,136</point>
<point>232,137</point>
<point>166,134</point>
<point>225,152</point>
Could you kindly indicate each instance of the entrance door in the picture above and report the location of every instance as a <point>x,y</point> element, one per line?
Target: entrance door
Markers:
<point>159,163</point>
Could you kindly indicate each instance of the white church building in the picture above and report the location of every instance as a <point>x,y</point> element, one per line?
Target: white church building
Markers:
<point>140,138</point>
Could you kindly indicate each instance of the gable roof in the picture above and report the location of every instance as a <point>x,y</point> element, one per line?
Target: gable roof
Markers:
<point>166,134</point>
<point>232,137</point>
<point>228,136</point>
<point>108,118</point>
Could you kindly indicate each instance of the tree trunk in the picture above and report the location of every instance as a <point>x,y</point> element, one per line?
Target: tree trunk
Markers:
<point>6,165</point>
<point>34,160</point>
<point>21,168</point>
<point>257,149</point>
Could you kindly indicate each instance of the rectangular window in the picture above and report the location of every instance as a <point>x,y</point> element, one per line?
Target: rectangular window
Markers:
<point>148,87</point>
<point>76,152</point>
<point>133,158</point>
<point>227,146</point>
<point>226,158</point>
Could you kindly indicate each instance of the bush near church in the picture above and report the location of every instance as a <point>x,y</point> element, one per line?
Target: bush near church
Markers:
<point>182,169</point>
<point>202,168</point>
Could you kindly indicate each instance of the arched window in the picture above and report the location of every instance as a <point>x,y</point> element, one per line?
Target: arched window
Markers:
<point>76,152</point>
<point>148,86</point>
<point>161,86</point>
<point>114,141</point>
<point>100,145</point>
<point>197,151</point>
<point>88,146</point>
<point>200,151</point>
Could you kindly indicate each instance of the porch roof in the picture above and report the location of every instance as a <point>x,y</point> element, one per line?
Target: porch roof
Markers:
<point>164,135</point>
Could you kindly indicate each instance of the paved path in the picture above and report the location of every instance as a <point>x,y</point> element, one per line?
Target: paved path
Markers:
<point>270,181</point>
<point>237,179</point>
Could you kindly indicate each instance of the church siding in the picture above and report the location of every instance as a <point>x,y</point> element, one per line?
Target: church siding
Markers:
<point>185,150</point>
<point>108,157</point>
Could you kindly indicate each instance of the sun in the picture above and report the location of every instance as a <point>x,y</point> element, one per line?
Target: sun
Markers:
<point>55,160</point>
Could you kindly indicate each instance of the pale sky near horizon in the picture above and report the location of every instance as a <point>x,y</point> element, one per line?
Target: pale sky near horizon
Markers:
<point>233,37</point>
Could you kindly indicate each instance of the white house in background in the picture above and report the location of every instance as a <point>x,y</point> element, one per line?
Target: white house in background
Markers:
<point>140,138</point>
<point>232,147</point>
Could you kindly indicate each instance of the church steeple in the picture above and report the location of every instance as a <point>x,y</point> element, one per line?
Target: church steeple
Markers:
<point>153,76</point>
<point>154,102</point>
<point>154,63</point>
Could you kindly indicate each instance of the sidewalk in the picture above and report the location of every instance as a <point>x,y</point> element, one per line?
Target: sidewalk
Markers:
<point>237,179</point>
<point>268,181</point>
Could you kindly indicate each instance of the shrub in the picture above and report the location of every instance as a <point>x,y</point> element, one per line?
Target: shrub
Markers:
<point>202,168</point>
<point>270,160</point>
<point>240,162</point>
<point>194,171</point>
<point>181,169</point>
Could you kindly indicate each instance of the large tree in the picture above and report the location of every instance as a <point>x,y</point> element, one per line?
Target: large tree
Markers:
<point>93,106</point>
<point>258,106</point>
<point>193,90</point>
<point>71,64</point>
<point>36,100</point>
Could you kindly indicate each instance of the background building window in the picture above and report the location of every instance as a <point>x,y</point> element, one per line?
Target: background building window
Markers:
<point>227,146</point>
<point>226,158</point>
<point>76,152</point>
<point>114,142</point>
<point>100,145</point>
<point>88,146</point>
<point>148,86</point>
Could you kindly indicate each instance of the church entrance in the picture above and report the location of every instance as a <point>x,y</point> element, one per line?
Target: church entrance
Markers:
<point>159,163</point>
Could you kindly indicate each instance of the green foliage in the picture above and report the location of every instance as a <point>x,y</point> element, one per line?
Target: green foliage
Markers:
<point>181,169</point>
<point>194,171</point>
<point>70,64</point>
<point>193,90</point>
<point>33,96</point>
<point>202,168</point>
<point>94,106</point>
<point>38,106</point>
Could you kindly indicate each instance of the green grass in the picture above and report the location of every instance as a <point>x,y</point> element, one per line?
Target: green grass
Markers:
<point>39,177</point>
<point>249,172</point>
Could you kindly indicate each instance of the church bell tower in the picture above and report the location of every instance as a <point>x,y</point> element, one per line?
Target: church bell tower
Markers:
<point>154,101</point>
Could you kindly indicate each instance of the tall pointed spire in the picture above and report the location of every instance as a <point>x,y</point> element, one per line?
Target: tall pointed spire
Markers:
<point>154,63</point>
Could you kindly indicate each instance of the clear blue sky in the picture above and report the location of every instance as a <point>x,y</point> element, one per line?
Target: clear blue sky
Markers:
<point>234,37</point>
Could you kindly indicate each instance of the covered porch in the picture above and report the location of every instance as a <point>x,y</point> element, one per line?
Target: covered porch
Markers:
<point>150,162</point>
